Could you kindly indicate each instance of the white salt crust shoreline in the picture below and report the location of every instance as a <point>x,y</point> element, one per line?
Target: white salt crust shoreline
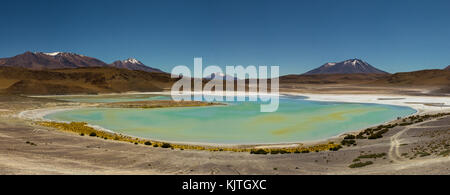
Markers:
<point>423,104</point>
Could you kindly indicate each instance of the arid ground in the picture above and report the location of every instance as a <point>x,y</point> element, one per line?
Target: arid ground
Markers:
<point>421,148</point>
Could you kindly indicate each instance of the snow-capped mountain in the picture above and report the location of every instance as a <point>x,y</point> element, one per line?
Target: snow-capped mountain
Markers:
<point>56,60</point>
<point>53,53</point>
<point>133,64</point>
<point>448,68</point>
<point>64,60</point>
<point>347,67</point>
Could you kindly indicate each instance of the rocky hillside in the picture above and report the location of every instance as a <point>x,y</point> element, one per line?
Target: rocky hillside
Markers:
<point>80,81</point>
<point>331,78</point>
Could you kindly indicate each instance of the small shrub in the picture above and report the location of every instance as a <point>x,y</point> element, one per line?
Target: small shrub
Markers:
<point>284,152</point>
<point>406,124</point>
<point>375,136</point>
<point>378,134</point>
<point>336,148</point>
<point>348,142</point>
<point>373,155</point>
<point>147,143</point>
<point>360,136</point>
<point>445,153</point>
<point>423,154</point>
<point>93,134</point>
<point>274,152</point>
<point>360,164</point>
<point>166,145</point>
<point>350,137</point>
<point>260,151</point>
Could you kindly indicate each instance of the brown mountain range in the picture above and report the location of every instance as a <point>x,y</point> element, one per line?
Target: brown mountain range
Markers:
<point>113,80</point>
<point>433,81</point>
<point>80,81</point>
<point>40,61</point>
<point>331,78</point>
<point>68,73</point>
<point>417,78</point>
<point>63,60</point>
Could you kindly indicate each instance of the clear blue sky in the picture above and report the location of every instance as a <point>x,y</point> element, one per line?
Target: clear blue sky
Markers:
<point>393,35</point>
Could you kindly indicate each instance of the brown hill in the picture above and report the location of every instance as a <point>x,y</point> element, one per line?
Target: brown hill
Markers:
<point>430,81</point>
<point>448,68</point>
<point>113,80</point>
<point>417,78</point>
<point>331,78</point>
<point>80,81</point>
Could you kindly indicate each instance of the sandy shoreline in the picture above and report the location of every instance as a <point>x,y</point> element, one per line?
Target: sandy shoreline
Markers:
<point>396,100</point>
<point>39,114</point>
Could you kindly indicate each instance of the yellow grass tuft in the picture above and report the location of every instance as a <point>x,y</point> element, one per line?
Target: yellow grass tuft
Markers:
<point>82,129</point>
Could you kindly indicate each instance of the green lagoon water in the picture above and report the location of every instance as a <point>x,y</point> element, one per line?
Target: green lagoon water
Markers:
<point>297,120</point>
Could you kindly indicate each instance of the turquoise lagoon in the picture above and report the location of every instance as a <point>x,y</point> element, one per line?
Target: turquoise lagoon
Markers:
<point>297,120</point>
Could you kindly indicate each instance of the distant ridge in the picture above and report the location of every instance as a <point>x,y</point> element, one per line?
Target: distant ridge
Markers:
<point>91,80</point>
<point>435,78</point>
<point>66,60</point>
<point>448,68</point>
<point>352,66</point>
